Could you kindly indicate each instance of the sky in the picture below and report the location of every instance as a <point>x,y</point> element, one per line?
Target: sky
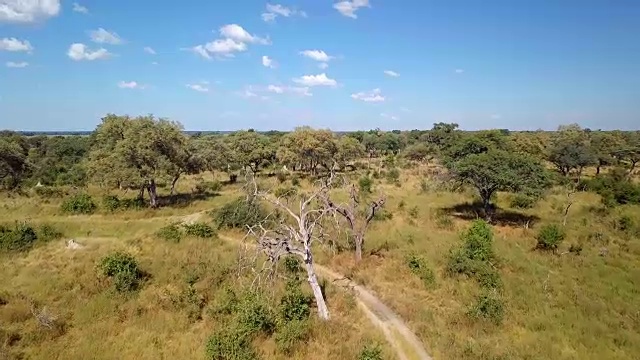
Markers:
<point>344,65</point>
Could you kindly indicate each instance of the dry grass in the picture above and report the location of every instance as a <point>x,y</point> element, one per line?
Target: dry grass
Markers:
<point>557,306</point>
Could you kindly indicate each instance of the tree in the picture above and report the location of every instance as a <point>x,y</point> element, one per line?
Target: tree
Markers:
<point>249,149</point>
<point>14,167</point>
<point>358,221</point>
<point>58,159</point>
<point>500,170</point>
<point>295,234</point>
<point>349,149</point>
<point>442,135</point>
<point>136,152</point>
<point>419,152</point>
<point>570,149</point>
<point>214,154</point>
<point>630,151</point>
<point>604,145</point>
<point>306,149</point>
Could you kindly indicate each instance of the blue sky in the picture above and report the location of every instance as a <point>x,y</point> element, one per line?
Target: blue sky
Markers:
<point>523,64</point>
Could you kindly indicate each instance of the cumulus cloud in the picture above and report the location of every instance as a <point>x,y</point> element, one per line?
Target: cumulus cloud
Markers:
<point>317,55</point>
<point>80,9</point>
<point>130,85</point>
<point>239,34</point>
<point>349,8</point>
<point>275,10</point>
<point>199,87</point>
<point>268,62</point>
<point>391,73</point>
<point>374,95</point>
<point>234,39</point>
<point>149,50</point>
<point>102,36</point>
<point>315,80</point>
<point>21,64</point>
<point>28,11</point>
<point>13,44</point>
<point>79,52</point>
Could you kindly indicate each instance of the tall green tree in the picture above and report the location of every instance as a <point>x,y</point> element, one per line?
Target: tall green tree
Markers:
<point>250,149</point>
<point>307,148</point>
<point>14,166</point>
<point>500,170</point>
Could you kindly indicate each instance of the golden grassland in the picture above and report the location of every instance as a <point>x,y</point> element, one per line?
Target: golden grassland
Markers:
<point>558,306</point>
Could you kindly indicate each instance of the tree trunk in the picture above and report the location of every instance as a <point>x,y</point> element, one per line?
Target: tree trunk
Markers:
<point>598,170</point>
<point>323,311</point>
<point>153,195</point>
<point>141,194</point>
<point>173,184</point>
<point>488,212</point>
<point>359,242</point>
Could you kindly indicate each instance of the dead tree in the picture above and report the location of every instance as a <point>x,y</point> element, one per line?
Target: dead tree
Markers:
<point>569,204</point>
<point>358,221</point>
<point>295,234</point>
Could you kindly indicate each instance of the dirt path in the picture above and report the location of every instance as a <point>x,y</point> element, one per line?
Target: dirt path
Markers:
<point>398,335</point>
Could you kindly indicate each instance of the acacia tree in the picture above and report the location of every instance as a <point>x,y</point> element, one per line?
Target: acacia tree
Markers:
<point>249,149</point>
<point>14,166</point>
<point>604,145</point>
<point>357,220</point>
<point>349,149</point>
<point>307,148</point>
<point>419,152</point>
<point>214,154</point>
<point>630,152</point>
<point>135,152</point>
<point>500,170</point>
<point>295,234</point>
<point>570,149</point>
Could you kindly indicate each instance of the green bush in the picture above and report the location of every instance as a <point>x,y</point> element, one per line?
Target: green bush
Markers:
<point>255,315</point>
<point>370,352</point>
<point>522,201</point>
<point>135,203</point>
<point>549,237</point>
<point>239,213</point>
<point>79,204</point>
<point>488,306</point>
<point>21,238</point>
<point>295,181</point>
<point>488,277</point>
<point>229,344</point>
<point>382,215</point>
<point>49,192</point>
<point>420,268</point>
<point>393,176</point>
<point>47,232</point>
<point>200,230</point>
<point>123,269</point>
<point>624,223</point>
<point>294,305</point>
<point>615,188</point>
<point>111,203</point>
<point>365,184</point>
<point>285,192</point>
<point>170,233</point>
<point>208,187</point>
<point>290,334</point>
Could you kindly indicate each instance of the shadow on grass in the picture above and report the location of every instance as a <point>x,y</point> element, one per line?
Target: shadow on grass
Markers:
<point>502,217</point>
<point>184,200</point>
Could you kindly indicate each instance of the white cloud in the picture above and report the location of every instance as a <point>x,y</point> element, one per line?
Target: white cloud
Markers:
<point>240,35</point>
<point>80,52</point>
<point>102,36</point>
<point>13,44</point>
<point>374,95</point>
<point>80,9</point>
<point>323,66</point>
<point>389,116</point>
<point>149,50</point>
<point>130,85</point>
<point>225,47</point>
<point>268,62</point>
<point>200,50</point>
<point>459,71</point>
<point>391,73</point>
<point>27,11</point>
<point>349,8</point>
<point>317,55</point>
<point>315,80</point>
<point>21,64</point>
<point>277,89</point>
<point>275,10</point>
<point>198,87</point>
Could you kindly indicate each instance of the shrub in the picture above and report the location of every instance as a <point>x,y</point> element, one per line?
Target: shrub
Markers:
<point>255,316</point>
<point>478,241</point>
<point>111,203</point>
<point>370,352</point>
<point>49,192</point>
<point>123,269</point>
<point>290,334</point>
<point>382,215</point>
<point>295,181</point>
<point>624,223</point>
<point>228,344</point>
<point>281,176</point>
<point>208,187</point>
<point>549,237</point>
<point>170,233</point>
<point>488,277</point>
<point>294,305</point>
<point>489,307</point>
<point>285,192</point>
<point>393,176</point>
<point>199,229</point>
<point>239,213</point>
<point>615,188</point>
<point>420,268</point>
<point>522,201</point>
<point>79,204</point>
<point>47,232</point>
<point>413,212</point>
<point>21,238</point>
<point>133,203</point>
<point>365,184</point>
